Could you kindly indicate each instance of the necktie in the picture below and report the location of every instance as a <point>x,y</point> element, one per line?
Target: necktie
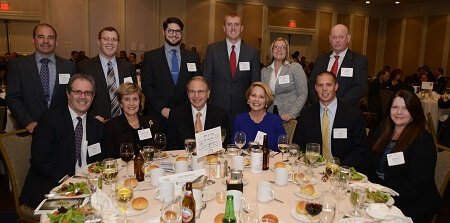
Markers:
<point>78,138</point>
<point>112,87</point>
<point>334,68</point>
<point>233,62</point>
<point>326,150</point>
<point>44,75</point>
<point>175,67</point>
<point>198,122</point>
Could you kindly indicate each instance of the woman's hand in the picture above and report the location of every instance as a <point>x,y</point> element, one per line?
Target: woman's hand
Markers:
<point>286,117</point>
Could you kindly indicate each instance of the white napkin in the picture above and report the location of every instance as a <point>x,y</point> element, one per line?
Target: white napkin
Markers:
<point>375,187</point>
<point>385,213</point>
<point>101,201</point>
<point>152,220</point>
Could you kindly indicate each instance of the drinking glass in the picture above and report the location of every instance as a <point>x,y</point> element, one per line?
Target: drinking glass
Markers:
<point>357,199</point>
<point>328,212</point>
<point>124,194</point>
<point>313,207</point>
<point>232,150</point>
<point>252,145</point>
<point>110,170</point>
<point>240,140</point>
<point>248,212</point>
<point>292,154</point>
<point>282,145</point>
<point>126,154</point>
<point>94,182</point>
<point>189,145</point>
<point>332,166</point>
<point>160,143</point>
<point>311,155</point>
<point>171,211</point>
<point>148,152</point>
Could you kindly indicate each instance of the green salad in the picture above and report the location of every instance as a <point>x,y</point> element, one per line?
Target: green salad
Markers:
<point>74,189</point>
<point>378,196</point>
<point>69,215</point>
<point>95,167</point>
<point>355,175</point>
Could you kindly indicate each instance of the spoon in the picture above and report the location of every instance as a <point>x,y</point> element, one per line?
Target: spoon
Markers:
<point>201,209</point>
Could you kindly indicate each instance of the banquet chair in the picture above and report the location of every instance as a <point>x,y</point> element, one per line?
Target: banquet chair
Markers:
<point>16,152</point>
<point>385,95</point>
<point>370,122</point>
<point>2,118</point>
<point>289,127</point>
<point>431,129</point>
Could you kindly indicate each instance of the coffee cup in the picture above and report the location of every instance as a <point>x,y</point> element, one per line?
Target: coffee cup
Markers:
<point>237,196</point>
<point>281,176</point>
<point>181,166</point>
<point>155,174</point>
<point>265,192</point>
<point>198,163</point>
<point>238,162</point>
<point>165,191</point>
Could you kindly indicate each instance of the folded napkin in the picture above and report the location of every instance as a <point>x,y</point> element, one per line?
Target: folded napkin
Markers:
<point>376,187</point>
<point>101,201</point>
<point>385,213</point>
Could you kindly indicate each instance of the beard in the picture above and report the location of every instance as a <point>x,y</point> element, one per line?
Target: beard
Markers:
<point>172,44</point>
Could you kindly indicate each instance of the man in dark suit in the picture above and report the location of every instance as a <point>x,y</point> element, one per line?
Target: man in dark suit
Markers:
<point>183,120</point>
<point>37,82</point>
<point>108,73</point>
<point>65,140</point>
<point>342,135</point>
<point>379,83</point>
<point>349,67</point>
<point>166,71</point>
<point>230,67</point>
<point>440,83</point>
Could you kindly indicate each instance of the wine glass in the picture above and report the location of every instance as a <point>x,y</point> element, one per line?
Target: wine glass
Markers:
<point>313,207</point>
<point>94,182</point>
<point>160,143</point>
<point>339,187</point>
<point>124,194</point>
<point>311,155</point>
<point>328,207</point>
<point>357,199</point>
<point>282,145</point>
<point>189,145</point>
<point>292,154</point>
<point>248,212</point>
<point>126,154</point>
<point>240,139</point>
<point>332,166</point>
<point>110,170</point>
<point>171,211</point>
<point>148,153</point>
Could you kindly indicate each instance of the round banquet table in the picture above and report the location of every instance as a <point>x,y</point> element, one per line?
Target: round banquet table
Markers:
<point>281,210</point>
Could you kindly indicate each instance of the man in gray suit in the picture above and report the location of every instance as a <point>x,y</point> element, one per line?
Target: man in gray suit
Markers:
<point>37,82</point>
<point>349,67</point>
<point>230,67</point>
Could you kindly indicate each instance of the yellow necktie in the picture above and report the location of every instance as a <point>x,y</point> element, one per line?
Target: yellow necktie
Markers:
<point>198,122</point>
<point>326,150</point>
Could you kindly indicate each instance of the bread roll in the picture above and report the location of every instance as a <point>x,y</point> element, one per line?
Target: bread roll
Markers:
<point>132,181</point>
<point>181,158</point>
<point>211,159</point>
<point>298,176</point>
<point>300,208</point>
<point>246,161</point>
<point>279,165</point>
<point>218,218</point>
<point>269,218</point>
<point>308,190</point>
<point>139,203</point>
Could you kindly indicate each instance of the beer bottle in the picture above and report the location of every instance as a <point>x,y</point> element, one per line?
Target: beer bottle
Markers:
<point>188,209</point>
<point>138,163</point>
<point>266,152</point>
<point>229,216</point>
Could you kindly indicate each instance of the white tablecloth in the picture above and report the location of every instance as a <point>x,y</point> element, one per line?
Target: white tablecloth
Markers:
<point>430,105</point>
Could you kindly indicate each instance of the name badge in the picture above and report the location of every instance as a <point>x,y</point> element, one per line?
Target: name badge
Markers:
<point>395,159</point>
<point>144,134</point>
<point>244,66</point>
<point>340,133</point>
<point>346,72</point>
<point>260,137</point>
<point>128,80</point>
<point>191,67</point>
<point>94,149</point>
<point>284,79</point>
<point>64,78</point>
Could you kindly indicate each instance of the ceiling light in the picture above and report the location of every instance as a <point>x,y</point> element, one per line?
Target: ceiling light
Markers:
<point>367,2</point>
<point>397,2</point>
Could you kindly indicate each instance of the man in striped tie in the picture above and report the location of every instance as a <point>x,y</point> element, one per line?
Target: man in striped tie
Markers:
<point>108,73</point>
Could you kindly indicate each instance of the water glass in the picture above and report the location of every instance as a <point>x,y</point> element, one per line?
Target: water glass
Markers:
<point>357,199</point>
<point>171,211</point>
<point>249,211</point>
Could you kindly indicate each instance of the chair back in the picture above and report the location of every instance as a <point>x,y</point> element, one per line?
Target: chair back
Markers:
<point>370,122</point>
<point>385,95</point>
<point>16,152</point>
<point>430,127</point>
<point>2,118</point>
<point>289,127</point>
<point>442,171</point>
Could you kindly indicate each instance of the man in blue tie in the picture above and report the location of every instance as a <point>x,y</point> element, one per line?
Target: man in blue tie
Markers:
<point>165,72</point>
<point>37,82</point>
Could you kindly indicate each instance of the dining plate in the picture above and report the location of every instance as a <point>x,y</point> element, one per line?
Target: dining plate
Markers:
<point>390,202</point>
<point>208,195</point>
<point>383,212</point>
<point>312,181</point>
<point>363,180</point>
<point>84,169</point>
<point>134,212</point>
<point>244,181</point>
<point>302,217</point>
<point>355,220</point>
<point>314,196</point>
<point>54,194</point>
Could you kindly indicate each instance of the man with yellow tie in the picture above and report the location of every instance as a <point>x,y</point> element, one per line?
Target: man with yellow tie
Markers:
<point>338,127</point>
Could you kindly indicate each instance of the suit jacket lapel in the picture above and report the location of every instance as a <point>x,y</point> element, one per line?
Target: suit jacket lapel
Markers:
<point>224,54</point>
<point>97,65</point>
<point>316,119</point>
<point>346,63</point>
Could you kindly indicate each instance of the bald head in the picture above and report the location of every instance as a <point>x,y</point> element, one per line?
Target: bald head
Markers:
<point>339,38</point>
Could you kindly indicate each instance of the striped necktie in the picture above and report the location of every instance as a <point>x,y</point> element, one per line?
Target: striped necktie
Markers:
<point>112,87</point>
<point>45,79</point>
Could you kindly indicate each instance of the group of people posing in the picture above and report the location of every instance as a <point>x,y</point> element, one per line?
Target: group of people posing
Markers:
<point>81,113</point>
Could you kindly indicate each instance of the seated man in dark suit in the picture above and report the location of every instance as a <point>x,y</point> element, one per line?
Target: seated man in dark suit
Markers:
<point>196,116</point>
<point>65,140</point>
<point>336,126</point>
<point>440,83</point>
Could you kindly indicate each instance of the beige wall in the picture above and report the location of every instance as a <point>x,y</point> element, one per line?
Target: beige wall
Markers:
<point>387,35</point>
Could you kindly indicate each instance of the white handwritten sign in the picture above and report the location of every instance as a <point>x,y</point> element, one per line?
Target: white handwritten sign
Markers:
<point>209,141</point>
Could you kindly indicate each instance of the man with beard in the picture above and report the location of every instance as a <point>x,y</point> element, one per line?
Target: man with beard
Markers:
<point>37,82</point>
<point>108,72</point>
<point>165,72</point>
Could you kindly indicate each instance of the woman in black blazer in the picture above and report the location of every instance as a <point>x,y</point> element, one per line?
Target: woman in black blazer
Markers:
<point>125,127</point>
<point>403,133</point>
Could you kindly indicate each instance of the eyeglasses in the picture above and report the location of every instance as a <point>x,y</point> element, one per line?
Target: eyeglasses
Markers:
<point>201,92</point>
<point>79,93</point>
<point>107,39</point>
<point>279,47</point>
<point>177,31</point>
